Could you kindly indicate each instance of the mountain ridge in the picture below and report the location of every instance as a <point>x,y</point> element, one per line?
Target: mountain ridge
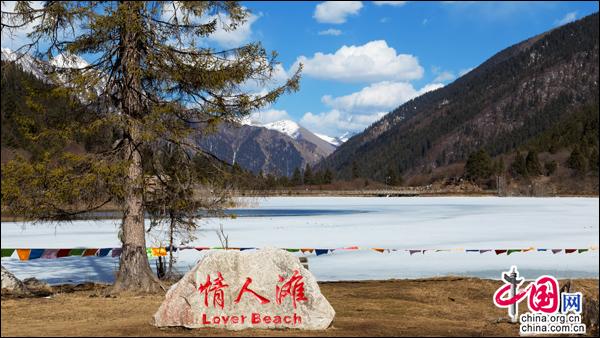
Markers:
<point>499,106</point>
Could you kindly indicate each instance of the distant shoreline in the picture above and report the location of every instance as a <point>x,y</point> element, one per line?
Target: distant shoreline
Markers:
<point>111,211</point>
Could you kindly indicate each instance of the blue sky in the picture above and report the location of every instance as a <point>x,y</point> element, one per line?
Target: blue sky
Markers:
<point>363,59</point>
<point>445,38</point>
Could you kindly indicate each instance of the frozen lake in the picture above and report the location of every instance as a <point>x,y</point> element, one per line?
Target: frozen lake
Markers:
<point>334,222</point>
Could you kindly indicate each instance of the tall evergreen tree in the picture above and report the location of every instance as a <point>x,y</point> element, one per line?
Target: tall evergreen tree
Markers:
<point>577,161</point>
<point>308,175</point>
<point>479,166</point>
<point>532,163</point>
<point>355,170</point>
<point>328,176</point>
<point>518,167</point>
<point>296,177</point>
<point>150,82</point>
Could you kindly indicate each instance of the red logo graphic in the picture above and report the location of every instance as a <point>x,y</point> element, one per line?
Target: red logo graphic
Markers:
<point>543,294</point>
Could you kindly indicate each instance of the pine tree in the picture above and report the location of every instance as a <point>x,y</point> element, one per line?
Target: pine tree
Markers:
<point>150,83</point>
<point>479,166</point>
<point>532,163</point>
<point>296,177</point>
<point>577,161</point>
<point>391,178</point>
<point>519,168</point>
<point>308,175</point>
<point>551,167</point>
<point>328,176</point>
<point>355,170</point>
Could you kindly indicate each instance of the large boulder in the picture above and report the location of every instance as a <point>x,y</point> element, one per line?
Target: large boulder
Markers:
<point>11,284</point>
<point>235,290</point>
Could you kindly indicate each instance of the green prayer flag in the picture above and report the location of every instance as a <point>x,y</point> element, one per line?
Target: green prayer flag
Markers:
<point>76,252</point>
<point>292,250</point>
<point>512,250</point>
<point>579,251</point>
<point>7,252</point>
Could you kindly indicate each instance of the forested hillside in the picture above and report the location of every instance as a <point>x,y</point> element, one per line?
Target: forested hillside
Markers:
<point>539,95</point>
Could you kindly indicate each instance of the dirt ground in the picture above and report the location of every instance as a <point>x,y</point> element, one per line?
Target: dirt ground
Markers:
<point>439,307</point>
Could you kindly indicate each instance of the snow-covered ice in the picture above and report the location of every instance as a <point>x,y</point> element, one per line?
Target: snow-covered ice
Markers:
<point>399,223</point>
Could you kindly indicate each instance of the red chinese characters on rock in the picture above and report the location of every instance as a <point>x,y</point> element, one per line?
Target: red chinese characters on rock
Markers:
<point>245,288</point>
<point>293,288</point>
<point>216,289</point>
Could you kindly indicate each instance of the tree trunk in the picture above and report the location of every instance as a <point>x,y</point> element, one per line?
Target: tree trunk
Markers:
<point>170,271</point>
<point>134,269</point>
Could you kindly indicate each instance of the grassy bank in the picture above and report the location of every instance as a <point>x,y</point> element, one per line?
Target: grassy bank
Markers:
<point>440,307</point>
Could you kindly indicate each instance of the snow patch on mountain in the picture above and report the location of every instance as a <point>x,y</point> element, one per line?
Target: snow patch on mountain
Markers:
<point>69,61</point>
<point>288,127</point>
<point>27,62</point>
<point>333,140</point>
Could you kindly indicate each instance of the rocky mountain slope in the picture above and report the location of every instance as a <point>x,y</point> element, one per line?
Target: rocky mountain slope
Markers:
<point>276,148</point>
<point>266,149</point>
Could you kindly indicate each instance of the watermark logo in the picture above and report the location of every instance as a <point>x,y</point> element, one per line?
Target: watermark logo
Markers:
<point>544,301</point>
<point>571,302</point>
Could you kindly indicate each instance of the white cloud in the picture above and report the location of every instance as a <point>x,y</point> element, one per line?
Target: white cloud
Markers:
<point>278,78</point>
<point>381,96</point>
<point>336,122</point>
<point>16,38</point>
<point>569,17</point>
<point>268,116</point>
<point>223,35</point>
<point>384,20</point>
<point>356,111</point>
<point>232,38</point>
<point>331,31</point>
<point>372,62</point>
<point>444,76</point>
<point>390,3</point>
<point>336,11</point>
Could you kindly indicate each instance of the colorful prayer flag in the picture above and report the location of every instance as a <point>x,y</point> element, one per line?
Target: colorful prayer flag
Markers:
<point>89,252</point>
<point>63,253</point>
<point>23,254</point>
<point>76,252</point>
<point>36,253</point>
<point>321,251</point>
<point>159,252</point>
<point>103,252</point>
<point>7,252</point>
<point>50,253</point>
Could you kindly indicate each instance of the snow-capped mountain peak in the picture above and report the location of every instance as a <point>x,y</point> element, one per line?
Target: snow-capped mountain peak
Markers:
<point>69,61</point>
<point>288,127</point>
<point>26,61</point>
<point>333,140</point>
